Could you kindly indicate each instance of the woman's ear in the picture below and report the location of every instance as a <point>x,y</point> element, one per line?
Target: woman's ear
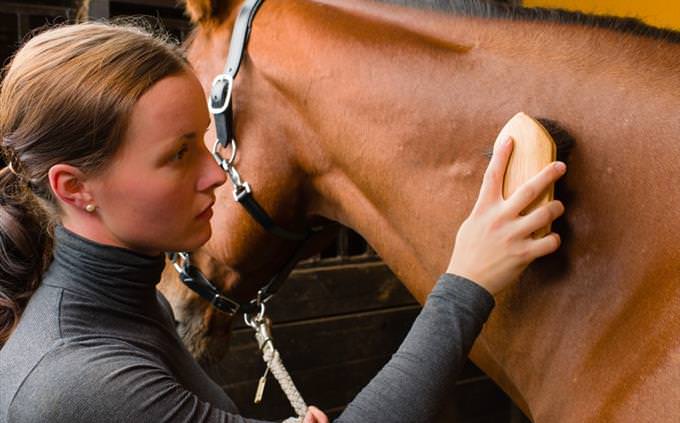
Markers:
<point>68,185</point>
<point>209,12</point>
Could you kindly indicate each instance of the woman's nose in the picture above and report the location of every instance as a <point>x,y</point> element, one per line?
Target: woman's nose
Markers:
<point>212,174</point>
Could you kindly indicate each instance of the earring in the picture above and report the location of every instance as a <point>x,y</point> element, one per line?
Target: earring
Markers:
<point>90,208</point>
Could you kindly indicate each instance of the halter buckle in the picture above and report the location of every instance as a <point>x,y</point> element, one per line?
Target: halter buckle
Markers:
<point>225,304</point>
<point>220,94</point>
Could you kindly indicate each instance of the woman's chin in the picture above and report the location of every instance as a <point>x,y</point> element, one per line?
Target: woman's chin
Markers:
<point>198,238</point>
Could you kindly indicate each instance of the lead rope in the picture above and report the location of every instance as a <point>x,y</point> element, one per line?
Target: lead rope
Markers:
<point>262,326</point>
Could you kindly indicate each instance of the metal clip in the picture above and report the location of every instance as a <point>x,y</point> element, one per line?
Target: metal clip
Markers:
<point>180,260</point>
<point>254,321</point>
<point>241,191</point>
<point>264,331</point>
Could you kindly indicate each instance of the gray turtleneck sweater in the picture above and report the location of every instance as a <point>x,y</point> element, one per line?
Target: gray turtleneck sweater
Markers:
<point>97,344</point>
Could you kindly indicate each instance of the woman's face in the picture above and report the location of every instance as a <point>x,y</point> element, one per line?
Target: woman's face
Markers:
<point>158,192</point>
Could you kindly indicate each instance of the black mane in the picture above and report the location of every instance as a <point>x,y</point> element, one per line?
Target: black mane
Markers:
<point>502,10</point>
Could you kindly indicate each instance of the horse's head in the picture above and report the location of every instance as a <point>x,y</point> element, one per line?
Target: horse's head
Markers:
<point>241,256</point>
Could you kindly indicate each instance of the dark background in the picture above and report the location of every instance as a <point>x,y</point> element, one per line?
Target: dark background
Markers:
<point>341,314</point>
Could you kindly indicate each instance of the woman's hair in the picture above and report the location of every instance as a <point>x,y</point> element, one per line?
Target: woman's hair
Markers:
<point>66,97</point>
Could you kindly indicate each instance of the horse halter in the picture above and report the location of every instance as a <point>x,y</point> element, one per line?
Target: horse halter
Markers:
<point>220,106</point>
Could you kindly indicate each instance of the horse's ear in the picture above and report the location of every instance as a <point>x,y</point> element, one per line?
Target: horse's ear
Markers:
<point>208,11</point>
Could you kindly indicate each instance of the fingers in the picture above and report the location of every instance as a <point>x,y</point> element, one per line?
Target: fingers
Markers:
<point>533,188</point>
<point>314,415</point>
<point>309,418</point>
<point>543,246</point>
<point>539,218</point>
<point>492,184</point>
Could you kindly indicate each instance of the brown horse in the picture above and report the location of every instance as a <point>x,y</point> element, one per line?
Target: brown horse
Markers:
<point>378,117</point>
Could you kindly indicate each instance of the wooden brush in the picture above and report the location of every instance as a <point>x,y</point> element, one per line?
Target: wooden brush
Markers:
<point>533,149</point>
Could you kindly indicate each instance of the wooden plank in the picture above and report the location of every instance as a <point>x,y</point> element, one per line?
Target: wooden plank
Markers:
<point>336,290</point>
<point>330,359</point>
<point>173,4</point>
<point>341,382</point>
<point>333,387</point>
<point>28,8</point>
<point>99,9</point>
<point>320,343</point>
<point>480,401</point>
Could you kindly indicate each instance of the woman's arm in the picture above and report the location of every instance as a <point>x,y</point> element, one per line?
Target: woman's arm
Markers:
<point>412,385</point>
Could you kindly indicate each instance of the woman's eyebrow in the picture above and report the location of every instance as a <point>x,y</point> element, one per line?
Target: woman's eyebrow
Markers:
<point>189,135</point>
<point>193,134</point>
<point>170,144</point>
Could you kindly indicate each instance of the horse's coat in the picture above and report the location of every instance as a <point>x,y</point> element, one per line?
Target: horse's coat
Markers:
<point>378,117</point>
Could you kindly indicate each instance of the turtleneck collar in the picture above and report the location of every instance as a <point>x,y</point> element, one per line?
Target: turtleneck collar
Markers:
<point>105,272</point>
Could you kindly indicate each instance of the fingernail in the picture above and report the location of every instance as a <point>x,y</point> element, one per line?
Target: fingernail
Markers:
<point>507,141</point>
<point>561,167</point>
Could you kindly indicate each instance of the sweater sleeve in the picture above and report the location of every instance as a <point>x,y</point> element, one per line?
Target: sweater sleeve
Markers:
<point>412,385</point>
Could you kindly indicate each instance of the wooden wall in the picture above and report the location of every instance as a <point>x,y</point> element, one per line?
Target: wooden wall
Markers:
<point>19,18</point>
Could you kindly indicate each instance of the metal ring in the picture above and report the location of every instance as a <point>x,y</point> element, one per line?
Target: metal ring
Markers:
<point>253,321</point>
<point>224,164</point>
<point>248,321</point>
<point>217,156</point>
<point>259,297</point>
<point>233,152</point>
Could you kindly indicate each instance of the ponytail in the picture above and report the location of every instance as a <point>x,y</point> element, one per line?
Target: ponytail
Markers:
<point>25,249</point>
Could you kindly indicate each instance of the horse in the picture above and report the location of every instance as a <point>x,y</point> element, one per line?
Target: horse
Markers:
<point>380,116</point>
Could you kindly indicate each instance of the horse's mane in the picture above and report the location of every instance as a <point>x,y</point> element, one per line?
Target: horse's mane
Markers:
<point>496,10</point>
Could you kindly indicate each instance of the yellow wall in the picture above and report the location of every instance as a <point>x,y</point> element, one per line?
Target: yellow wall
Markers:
<point>662,13</point>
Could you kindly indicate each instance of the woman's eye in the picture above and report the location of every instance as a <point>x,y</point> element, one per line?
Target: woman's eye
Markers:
<point>181,152</point>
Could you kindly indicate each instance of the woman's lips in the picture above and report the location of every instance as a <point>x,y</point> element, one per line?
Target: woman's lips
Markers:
<point>207,213</point>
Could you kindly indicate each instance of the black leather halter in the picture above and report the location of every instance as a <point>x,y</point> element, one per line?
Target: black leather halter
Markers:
<point>220,105</point>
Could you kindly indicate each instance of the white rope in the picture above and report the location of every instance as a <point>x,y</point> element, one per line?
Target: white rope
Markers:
<point>271,356</point>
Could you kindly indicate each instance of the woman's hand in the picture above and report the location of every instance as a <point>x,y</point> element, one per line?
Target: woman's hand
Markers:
<point>494,244</point>
<point>314,415</point>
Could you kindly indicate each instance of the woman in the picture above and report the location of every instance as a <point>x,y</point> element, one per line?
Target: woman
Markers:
<point>102,129</point>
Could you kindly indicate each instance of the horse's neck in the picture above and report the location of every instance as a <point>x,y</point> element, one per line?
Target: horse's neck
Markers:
<point>416,123</point>
<point>392,119</point>
<point>404,130</point>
